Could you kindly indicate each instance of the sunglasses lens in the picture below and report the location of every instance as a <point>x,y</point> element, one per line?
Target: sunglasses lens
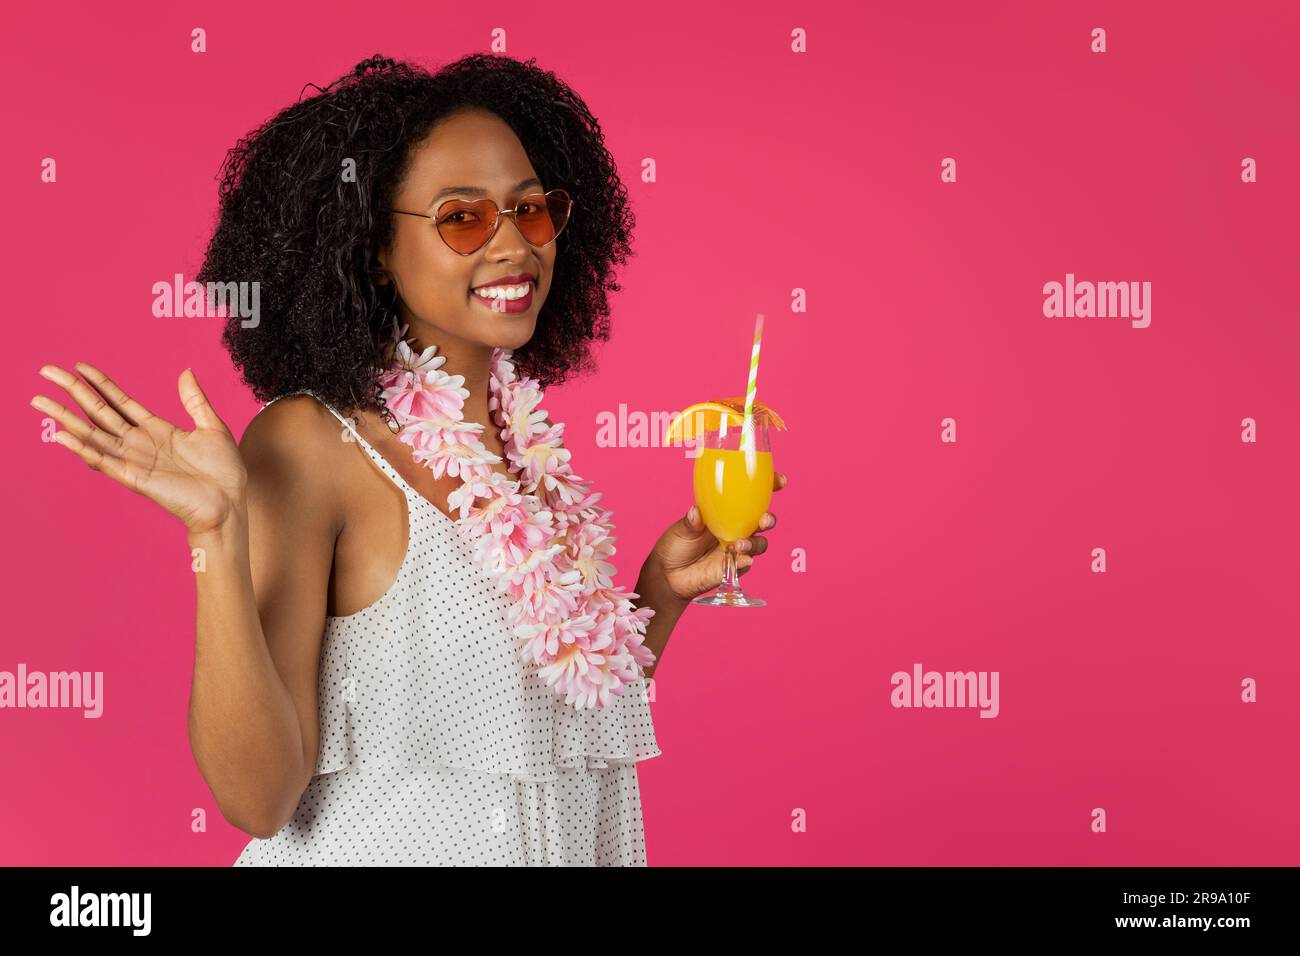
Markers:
<point>535,221</point>
<point>542,218</point>
<point>466,226</point>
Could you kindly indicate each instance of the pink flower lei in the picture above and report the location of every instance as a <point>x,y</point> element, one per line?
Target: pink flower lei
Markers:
<point>540,536</point>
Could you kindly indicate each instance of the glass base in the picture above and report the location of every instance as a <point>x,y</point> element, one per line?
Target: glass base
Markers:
<point>729,599</point>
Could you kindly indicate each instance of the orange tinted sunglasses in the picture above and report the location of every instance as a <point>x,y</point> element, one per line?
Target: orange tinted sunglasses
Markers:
<point>467,225</point>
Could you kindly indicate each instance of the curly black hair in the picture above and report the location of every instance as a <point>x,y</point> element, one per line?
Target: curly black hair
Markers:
<point>289,221</point>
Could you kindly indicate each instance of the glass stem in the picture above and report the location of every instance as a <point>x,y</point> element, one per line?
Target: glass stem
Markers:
<point>730,579</point>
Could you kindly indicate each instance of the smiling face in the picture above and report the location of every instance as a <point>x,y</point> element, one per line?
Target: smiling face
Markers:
<point>472,148</point>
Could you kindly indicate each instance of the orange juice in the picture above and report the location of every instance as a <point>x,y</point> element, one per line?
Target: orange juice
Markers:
<point>733,490</point>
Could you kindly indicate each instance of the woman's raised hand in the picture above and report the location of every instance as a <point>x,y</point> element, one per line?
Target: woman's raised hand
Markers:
<point>198,476</point>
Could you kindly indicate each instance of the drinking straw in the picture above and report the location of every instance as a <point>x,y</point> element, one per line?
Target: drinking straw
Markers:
<point>747,433</point>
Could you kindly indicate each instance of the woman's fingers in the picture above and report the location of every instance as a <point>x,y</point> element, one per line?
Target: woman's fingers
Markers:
<point>749,548</point>
<point>197,404</point>
<point>122,403</point>
<point>115,468</point>
<point>97,409</point>
<point>97,437</point>
<point>756,544</point>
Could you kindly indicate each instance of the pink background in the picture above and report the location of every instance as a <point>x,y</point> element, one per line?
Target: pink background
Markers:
<point>776,171</point>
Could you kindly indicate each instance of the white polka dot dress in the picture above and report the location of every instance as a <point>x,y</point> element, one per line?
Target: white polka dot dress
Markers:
<point>441,747</point>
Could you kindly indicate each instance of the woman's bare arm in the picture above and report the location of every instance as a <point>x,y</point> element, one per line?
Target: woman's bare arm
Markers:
<point>265,521</point>
<point>254,725</point>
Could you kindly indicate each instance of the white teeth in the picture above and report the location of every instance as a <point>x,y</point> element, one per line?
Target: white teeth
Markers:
<point>508,292</point>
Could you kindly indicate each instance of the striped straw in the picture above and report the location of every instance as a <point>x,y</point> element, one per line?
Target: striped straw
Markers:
<point>747,433</point>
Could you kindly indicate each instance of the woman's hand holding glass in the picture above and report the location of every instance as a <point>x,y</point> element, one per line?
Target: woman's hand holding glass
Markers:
<point>717,541</point>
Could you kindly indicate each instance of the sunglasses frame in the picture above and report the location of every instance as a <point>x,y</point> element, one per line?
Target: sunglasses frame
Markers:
<point>438,219</point>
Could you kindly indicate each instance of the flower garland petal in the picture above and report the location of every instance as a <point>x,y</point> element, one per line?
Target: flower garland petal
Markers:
<point>540,535</point>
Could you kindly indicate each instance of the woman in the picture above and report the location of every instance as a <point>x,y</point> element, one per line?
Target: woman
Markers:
<point>359,692</point>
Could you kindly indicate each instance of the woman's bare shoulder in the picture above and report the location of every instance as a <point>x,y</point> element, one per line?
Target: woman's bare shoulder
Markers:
<point>288,421</point>
<point>294,440</point>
